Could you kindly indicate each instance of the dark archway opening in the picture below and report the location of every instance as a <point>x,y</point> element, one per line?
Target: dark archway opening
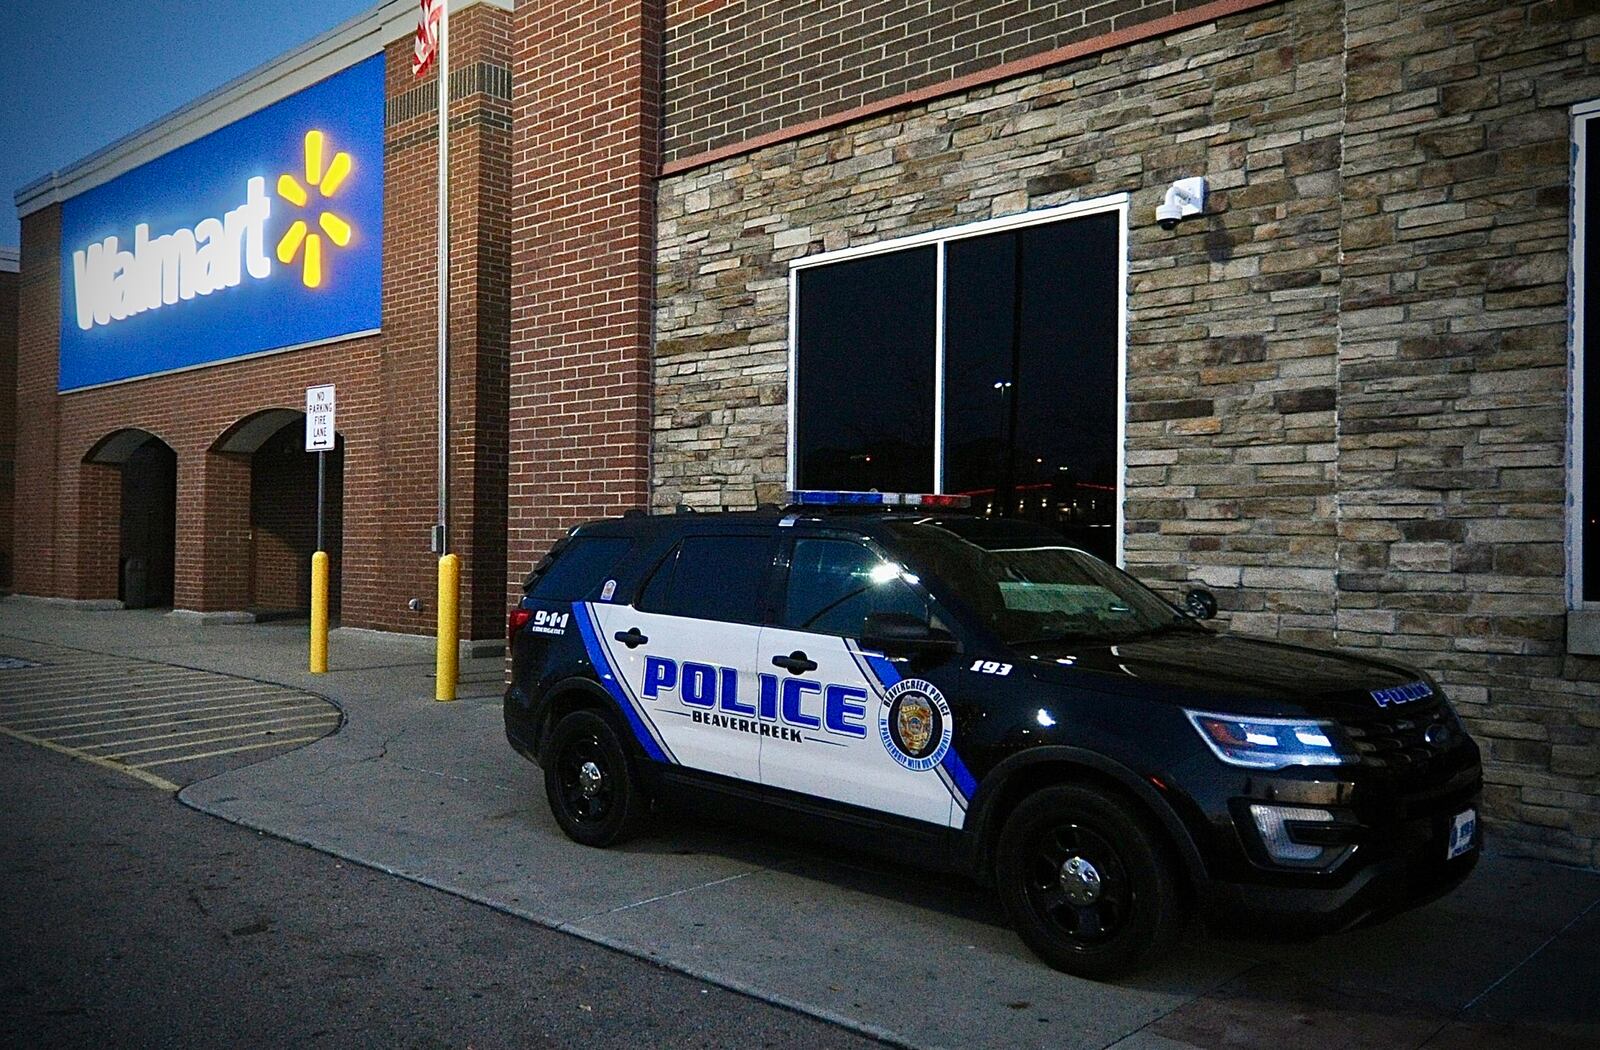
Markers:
<point>283,520</point>
<point>147,519</point>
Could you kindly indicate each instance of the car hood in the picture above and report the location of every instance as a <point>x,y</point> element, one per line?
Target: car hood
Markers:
<point>1200,668</point>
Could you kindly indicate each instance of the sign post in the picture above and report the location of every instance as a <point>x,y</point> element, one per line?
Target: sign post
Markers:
<point>320,438</point>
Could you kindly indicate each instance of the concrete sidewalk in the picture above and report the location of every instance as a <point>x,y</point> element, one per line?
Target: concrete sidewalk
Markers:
<point>431,792</point>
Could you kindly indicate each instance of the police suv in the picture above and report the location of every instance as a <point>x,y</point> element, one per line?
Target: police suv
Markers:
<point>971,692</point>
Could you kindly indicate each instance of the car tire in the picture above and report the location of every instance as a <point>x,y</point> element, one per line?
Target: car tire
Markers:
<point>590,783</point>
<point>1088,882</point>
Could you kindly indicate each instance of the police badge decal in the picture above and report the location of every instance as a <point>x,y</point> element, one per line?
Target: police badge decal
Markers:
<point>914,724</point>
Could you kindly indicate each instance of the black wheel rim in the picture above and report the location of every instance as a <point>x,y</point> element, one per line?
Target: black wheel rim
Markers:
<point>585,800</point>
<point>1088,904</point>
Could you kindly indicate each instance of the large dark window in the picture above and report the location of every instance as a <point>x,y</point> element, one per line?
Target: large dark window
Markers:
<point>1030,422</point>
<point>711,578</point>
<point>865,368</point>
<point>1587,288</point>
<point>1030,366</point>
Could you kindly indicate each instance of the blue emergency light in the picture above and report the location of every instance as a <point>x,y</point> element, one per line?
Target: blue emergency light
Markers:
<point>842,498</point>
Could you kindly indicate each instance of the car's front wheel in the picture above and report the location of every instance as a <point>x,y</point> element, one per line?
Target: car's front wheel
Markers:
<point>589,781</point>
<point>1087,882</point>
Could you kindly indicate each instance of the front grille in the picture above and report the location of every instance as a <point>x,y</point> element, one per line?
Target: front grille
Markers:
<point>1400,744</point>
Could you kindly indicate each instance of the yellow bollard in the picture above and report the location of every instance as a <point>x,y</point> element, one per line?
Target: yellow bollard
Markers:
<point>319,612</point>
<point>444,667</point>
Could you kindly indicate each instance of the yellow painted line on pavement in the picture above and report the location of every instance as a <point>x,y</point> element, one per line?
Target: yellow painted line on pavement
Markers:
<point>261,706</point>
<point>93,760</point>
<point>227,751</point>
<point>225,730</point>
<point>166,698</point>
<point>138,718</point>
<point>194,732</point>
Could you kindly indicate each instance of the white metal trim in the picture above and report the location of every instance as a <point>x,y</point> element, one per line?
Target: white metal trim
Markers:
<point>1122,381</point>
<point>938,367</point>
<point>794,373</point>
<point>1582,114</point>
<point>339,48</point>
<point>364,333</point>
<point>971,229</point>
<point>1116,202</point>
<point>10,260</point>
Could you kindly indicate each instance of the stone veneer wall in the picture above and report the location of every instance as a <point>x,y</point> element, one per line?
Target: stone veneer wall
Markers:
<point>1346,385</point>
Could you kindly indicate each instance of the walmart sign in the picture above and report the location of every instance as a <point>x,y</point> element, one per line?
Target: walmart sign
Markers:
<point>263,235</point>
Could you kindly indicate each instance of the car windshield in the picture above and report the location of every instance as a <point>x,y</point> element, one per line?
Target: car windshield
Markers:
<point>1028,588</point>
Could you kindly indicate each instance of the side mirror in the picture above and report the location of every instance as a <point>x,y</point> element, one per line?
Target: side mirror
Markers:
<point>901,634</point>
<point>1200,603</point>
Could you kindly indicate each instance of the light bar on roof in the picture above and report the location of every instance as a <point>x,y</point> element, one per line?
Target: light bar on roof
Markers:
<point>841,498</point>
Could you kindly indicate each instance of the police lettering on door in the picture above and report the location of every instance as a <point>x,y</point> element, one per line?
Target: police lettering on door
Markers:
<point>783,708</point>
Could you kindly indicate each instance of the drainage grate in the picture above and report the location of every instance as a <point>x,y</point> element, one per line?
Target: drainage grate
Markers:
<point>17,663</point>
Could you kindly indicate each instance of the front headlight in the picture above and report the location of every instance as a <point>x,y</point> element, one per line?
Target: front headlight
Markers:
<point>1271,743</point>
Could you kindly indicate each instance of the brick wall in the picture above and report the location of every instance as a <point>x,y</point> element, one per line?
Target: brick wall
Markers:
<point>582,159</point>
<point>8,416</point>
<point>1346,384</point>
<point>38,355</point>
<point>735,69</point>
<point>386,393</point>
<point>283,523</point>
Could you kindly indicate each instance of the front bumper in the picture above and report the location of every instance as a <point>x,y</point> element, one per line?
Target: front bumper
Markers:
<point>1372,893</point>
<point>1399,834</point>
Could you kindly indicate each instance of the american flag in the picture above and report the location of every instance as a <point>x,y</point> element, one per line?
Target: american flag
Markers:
<point>427,42</point>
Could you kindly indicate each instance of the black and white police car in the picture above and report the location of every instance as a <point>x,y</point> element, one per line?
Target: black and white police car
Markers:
<point>970,692</point>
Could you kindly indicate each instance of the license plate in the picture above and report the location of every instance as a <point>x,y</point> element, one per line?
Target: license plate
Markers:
<point>1463,834</point>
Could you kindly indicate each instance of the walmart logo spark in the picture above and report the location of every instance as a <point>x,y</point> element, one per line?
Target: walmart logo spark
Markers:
<point>112,283</point>
<point>326,180</point>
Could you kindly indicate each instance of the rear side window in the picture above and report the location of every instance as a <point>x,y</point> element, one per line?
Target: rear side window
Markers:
<point>711,578</point>
<point>579,569</point>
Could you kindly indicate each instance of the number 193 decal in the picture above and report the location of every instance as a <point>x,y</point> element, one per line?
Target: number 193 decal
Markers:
<point>990,667</point>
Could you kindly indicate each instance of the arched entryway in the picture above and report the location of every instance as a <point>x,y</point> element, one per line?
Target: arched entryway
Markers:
<point>283,509</point>
<point>147,516</point>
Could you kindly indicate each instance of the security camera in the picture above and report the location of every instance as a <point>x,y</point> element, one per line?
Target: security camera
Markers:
<point>1184,198</point>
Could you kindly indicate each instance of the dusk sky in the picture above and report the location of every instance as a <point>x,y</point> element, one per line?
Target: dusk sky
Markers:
<point>82,73</point>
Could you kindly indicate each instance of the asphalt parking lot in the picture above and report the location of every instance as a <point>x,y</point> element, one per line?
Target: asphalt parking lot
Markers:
<point>431,792</point>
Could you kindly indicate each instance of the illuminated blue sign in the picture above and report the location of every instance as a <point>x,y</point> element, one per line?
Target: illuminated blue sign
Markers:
<point>265,234</point>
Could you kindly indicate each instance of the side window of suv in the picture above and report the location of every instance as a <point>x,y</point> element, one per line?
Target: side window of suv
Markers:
<point>711,578</point>
<point>835,584</point>
<point>577,571</point>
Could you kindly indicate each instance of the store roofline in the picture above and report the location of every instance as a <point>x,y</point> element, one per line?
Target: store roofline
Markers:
<point>10,260</point>
<point>322,56</point>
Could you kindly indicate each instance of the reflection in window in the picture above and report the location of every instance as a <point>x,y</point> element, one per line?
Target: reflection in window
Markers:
<point>1031,376</point>
<point>864,376</point>
<point>834,585</point>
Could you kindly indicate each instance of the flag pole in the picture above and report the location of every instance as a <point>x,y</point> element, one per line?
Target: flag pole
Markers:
<point>445,656</point>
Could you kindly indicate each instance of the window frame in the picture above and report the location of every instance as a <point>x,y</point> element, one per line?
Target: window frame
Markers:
<point>1118,203</point>
<point>1582,114</point>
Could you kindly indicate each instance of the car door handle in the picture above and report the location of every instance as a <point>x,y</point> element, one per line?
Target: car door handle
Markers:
<point>795,663</point>
<point>631,638</point>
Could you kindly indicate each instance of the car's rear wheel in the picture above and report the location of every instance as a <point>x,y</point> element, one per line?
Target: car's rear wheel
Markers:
<point>1087,882</point>
<point>589,781</point>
